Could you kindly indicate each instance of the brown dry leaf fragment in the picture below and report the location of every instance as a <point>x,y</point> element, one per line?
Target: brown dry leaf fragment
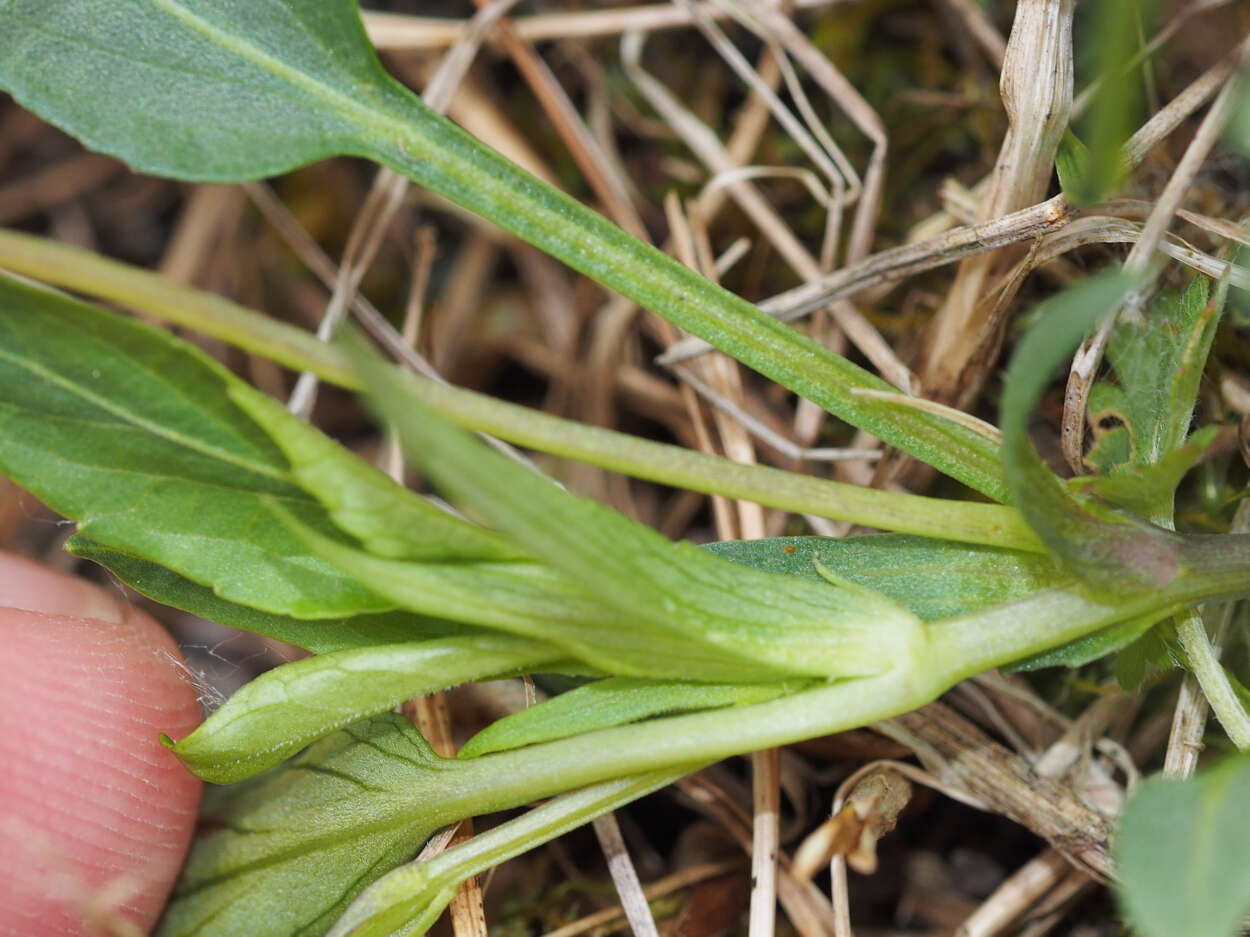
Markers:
<point>871,810</point>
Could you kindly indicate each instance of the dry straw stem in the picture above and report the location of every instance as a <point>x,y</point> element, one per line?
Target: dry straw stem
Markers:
<point>607,180</point>
<point>625,877</point>
<point>979,27</point>
<point>610,919</point>
<point>1017,894</point>
<point>898,263</point>
<point>804,904</point>
<point>961,755</point>
<point>400,31</point>
<point>1036,87</point>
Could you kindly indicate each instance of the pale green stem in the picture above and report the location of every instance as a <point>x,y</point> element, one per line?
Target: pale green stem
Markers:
<point>410,899</point>
<point>1204,664</point>
<point>83,271</point>
<point>1202,656</point>
<point>955,649</point>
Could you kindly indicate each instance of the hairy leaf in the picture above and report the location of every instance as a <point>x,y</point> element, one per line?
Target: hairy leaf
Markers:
<point>215,91</point>
<point>931,578</point>
<point>1111,41</point>
<point>613,702</point>
<point>229,90</point>
<point>1158,366</point>
<point>667,591</point>
<point>1090,648</point>
<point>1183,852</point>
<point>129,431</point>
<point>284,709</point>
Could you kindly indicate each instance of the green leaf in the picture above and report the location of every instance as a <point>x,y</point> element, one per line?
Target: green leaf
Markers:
<point>1148,489</point>
<point>1183,852</point>
<point>229,90</point>
<point>216,91</point>
<point>284,709</point>
<point>931,578</point>
<point>1110,551</point>
<point>320,636</point>
<point>1072,167</point>
<point>129,431</point>
<point>613,702</point>
<point>387,518</point>
<point>410,899</point>
<point>286,854</point>
<point>534,601</point>
<point>1114,31</point>
<point>754,622</point>
<point>1094,646</point>
<point>1158,365</point>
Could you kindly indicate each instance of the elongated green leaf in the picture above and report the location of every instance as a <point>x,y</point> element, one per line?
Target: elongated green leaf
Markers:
<point>236,89</point>
<point>1183,853</point>
<point>533,601</point>
<point>931,578</point>
<point>286,708</point>
<point>613,702</point>
<point>321,636</point>
<point>84,272</point>
<point>410,899</point>
<point>129,431</point>
<point>665,590</point>
<point>388,519</point>
<point>1110,42</point>
<point>1109,550</point>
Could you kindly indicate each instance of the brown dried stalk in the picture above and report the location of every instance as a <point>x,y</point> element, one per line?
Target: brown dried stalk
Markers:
<point>1036,88</point>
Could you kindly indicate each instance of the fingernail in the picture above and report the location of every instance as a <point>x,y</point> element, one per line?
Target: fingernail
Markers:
<point>26,585</point>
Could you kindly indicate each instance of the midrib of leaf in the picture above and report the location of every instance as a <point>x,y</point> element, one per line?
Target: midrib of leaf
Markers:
<point>339,102</point>
<point>156,429</point>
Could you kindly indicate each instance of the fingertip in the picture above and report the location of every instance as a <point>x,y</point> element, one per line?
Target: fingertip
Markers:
<point>93,808</point>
